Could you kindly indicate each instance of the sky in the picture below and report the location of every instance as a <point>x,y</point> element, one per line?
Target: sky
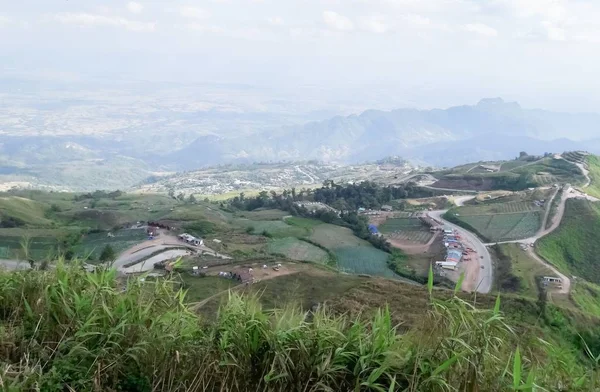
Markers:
<point>543,53</point>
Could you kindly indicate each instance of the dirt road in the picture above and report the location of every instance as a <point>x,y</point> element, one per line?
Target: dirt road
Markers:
<point>566,282</point>
<point>478,275</point>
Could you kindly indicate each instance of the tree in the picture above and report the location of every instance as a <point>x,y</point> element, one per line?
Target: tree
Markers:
<point>108,254</point>
<point>192,199</point>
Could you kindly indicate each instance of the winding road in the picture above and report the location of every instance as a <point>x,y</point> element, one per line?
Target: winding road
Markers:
<point>480,277</point>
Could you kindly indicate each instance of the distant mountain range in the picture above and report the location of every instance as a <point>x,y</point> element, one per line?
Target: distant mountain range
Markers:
<point>491,130</point>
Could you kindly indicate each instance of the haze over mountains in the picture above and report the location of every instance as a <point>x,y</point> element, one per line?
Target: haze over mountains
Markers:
<point>116,140</point>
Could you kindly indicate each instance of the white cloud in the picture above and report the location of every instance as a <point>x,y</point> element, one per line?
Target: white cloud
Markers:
<point>374,24</point>
<point>417,20</point>
<point>193,12</point>
<point>336,21</point>
<point>90,20</point>
<point>276,21</point>
<point>554,32</point>
<point>134,7</point>
<point>481,29</point>
<point>4,20</point>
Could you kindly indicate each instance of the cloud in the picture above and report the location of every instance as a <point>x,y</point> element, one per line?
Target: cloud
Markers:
<point>93,20</point>
<point>134,7</point>
<point>374,24</point>
<point>4,20</point>
<point>335,21</point>
<point>554,32</point>
<point>193,12</point>
<point>481,29</point>
<point>276,21</point>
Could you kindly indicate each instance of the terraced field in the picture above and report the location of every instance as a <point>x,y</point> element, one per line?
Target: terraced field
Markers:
<point>408,229</point>
<point>296,249</point>
<point>504,227</point>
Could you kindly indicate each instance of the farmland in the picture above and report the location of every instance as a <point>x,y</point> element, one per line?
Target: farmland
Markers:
<point>510,217</point>
<point>353,254</point>
<point>409,229</point>
<point>296,249</point>
<point>502,227</point>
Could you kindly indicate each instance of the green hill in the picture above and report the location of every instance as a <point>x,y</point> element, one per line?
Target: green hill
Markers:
<point>574,247</point>
<point>511,175</point>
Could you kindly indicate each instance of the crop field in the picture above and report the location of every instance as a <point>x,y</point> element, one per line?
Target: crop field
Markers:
<point>409,229</point>
<point>513,207</point>
<point>93,243</point>
<point>296,249</point>
<point>332,236</point>
<point>39,247</point>
<point>354,255</point>
<point>505,227</point>
<point>258,215</point>
<point>510,165</point>
<point>277,229</point>
<point>363,260</point>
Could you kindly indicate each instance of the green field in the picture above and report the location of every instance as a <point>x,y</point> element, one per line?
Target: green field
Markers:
<point>93,243</point>
<point>510,165</point>
<point>574,247</point>
<point>353,254</point>
<point>296,249</point>
<point>586,295</point>
<point>503,227</point>
<point>593,163</point>
<point>270,214</point>
<point>276,229</point>
<point>410,229</point>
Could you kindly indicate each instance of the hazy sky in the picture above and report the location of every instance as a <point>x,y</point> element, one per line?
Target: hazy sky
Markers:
<point>542,52</point>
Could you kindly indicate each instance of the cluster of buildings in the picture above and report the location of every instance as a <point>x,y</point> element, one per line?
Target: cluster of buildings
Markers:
<point>455,251</point>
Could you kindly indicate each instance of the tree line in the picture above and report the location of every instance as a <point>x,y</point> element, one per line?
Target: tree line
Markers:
<point>345,201</point>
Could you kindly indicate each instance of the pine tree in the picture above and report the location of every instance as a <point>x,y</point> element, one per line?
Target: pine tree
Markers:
<point>108,254</point>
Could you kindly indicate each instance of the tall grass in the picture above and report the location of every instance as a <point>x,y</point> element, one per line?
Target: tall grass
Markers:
<point>70,330</point>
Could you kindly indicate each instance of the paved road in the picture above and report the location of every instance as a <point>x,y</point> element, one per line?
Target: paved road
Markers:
<point>484,280</point>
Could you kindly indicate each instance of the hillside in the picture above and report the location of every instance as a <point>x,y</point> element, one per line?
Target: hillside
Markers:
<point>516,175</point>
<point>447,340</point>
<point>574,247</point>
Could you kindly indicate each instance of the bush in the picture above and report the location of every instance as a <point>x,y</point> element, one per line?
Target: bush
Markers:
<point>67,329</point>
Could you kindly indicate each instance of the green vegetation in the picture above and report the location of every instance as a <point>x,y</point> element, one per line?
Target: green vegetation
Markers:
<point>593,163</point>
<point>543,172</point>
<point>574,247</point>
<point>501,227</point>
<point>83,332</point>
<point>517,272</point>
<point>296,249</point>
<point>108,254</point>
<point>586,295</point>
<point>353,254</point>
<point>411,229</point>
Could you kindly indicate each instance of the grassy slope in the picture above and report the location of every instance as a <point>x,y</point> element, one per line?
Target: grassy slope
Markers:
<point>593,162</point>
<point>516,271</point>
<point>574,248</point>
